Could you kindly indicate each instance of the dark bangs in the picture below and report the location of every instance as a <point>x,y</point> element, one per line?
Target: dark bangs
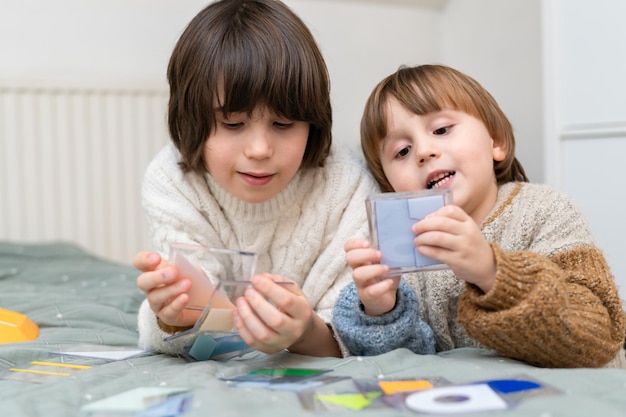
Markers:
<point>255,70</point>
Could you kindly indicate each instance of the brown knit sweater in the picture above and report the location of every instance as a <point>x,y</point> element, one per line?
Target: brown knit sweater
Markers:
<point>554,302</point>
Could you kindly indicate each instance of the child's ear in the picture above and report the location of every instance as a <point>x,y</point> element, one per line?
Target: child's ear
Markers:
<point>499,151</point>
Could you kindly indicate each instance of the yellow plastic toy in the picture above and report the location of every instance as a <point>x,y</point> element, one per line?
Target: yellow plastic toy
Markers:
<point>16,327</point>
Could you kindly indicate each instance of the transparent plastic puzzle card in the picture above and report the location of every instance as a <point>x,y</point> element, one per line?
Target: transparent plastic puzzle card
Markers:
<point>391,216</point>
<point>218,276</point>
<point>481,396</point>
<point>283,379</point>
<point>394,391</point>
<point>456,399</point>
<point>142,402</point>
<point>339,396</point>
<point>518,388</point>
<point>104,352</point>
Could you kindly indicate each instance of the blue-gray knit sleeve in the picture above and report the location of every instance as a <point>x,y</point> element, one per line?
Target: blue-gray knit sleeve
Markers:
<point>365,335</point>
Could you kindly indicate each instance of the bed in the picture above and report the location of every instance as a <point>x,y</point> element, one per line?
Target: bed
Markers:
<point>76,298</point>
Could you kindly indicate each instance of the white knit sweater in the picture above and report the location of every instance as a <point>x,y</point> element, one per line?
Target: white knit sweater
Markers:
<point>298,234</point>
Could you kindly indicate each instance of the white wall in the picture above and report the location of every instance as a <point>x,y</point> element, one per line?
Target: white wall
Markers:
<point>585,63</point>
<point>592,59</point>
<point>90,41</point>
<point>498,42</point>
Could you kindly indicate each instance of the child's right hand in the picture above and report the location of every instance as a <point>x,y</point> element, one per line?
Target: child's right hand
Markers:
<point>377,294</point>
<point>166,294</point>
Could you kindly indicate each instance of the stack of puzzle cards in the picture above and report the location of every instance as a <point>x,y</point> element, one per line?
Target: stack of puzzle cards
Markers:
<point>391,216</point>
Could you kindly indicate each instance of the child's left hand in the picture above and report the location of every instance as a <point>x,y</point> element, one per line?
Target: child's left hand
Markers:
<point>451,236</point>
<point>272,317</point>
<point>376,292</point>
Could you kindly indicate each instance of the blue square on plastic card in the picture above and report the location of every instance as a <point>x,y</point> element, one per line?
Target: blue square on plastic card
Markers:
<point>391,217</point>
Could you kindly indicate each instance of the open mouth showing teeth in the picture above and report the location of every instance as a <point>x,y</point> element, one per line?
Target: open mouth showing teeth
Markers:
<point>440,180</point>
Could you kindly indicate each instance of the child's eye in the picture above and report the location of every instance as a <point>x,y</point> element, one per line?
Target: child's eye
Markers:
<point>283,125</point>
<point>442,130</point>
<point>403,152</point>
<point>232,126</point>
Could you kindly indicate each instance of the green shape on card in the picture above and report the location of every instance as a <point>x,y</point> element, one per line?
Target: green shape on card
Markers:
<point>279,372</point>
<point>351,401</point>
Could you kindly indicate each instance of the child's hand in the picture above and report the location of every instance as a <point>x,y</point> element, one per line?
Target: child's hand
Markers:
<point>451,236</point>
<point>377,294</point>
<point>272,317</point>
<point>166,294</point>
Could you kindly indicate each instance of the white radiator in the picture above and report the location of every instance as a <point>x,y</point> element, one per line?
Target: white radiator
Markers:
<point>71,164</point>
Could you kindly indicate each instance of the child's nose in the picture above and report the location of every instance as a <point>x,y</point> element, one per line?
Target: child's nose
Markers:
<point>259,144</point>
<point>426,152</point>
<point>425,158</point>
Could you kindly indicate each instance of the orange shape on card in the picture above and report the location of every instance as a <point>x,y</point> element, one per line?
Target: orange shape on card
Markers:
<point>392,387</point>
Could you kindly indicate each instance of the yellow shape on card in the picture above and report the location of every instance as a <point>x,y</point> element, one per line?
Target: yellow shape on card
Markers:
<point>16,327</point>
<point>392,387</point>
<point>60,365</point>
<point>37,371</point>
<point>351,401</point>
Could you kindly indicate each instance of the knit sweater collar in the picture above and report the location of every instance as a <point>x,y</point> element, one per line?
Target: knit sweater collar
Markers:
<point>294,192</point>
<point>506,194</point>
